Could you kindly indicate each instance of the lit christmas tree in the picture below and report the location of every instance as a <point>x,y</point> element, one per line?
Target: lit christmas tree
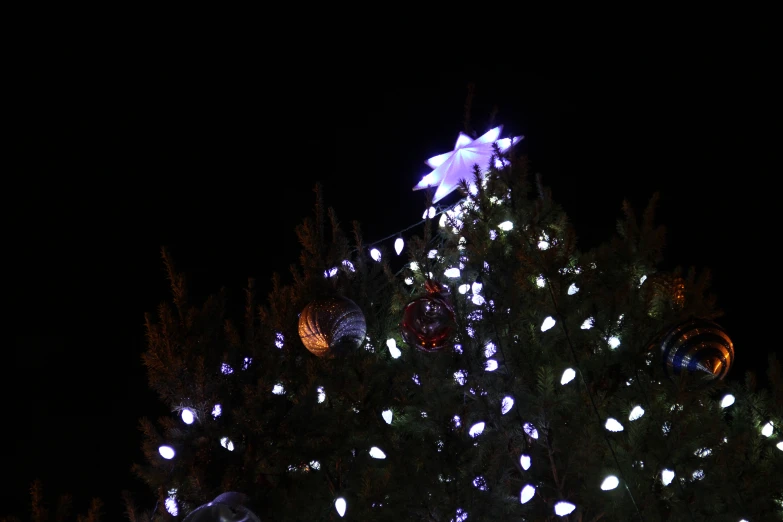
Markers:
<point>500,374</point>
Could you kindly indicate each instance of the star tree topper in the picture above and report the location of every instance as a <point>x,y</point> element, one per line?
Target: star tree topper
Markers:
<point>451,167</point>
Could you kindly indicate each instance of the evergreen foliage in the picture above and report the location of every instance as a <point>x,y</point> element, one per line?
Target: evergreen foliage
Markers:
<point>295,455</point>
<point>62,512</point>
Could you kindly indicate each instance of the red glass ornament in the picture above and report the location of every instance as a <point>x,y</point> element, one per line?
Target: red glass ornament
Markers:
<point>428,322</point>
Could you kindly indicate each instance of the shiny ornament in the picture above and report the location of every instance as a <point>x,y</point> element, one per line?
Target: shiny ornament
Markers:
<point>332,325</point>
<point>428,322</point>
<point>697,346</point>
<point>228,507</point>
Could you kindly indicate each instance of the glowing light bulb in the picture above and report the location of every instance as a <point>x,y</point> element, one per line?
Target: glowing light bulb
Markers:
<point>767,429</point>
<point>588,323</point>
<point>506,404</point>
<point>548,323</point>
<point>226,443</point>
<point>667,476</point>
<point>187,416</point>
<point>540,281</point>
<point>563,508</point>
<point>476,430</point>
<point>393,350</point>
<point>387,416</point>
<point>408,280</point>
<point>780,446</point>
<point>642,280</point>
<point>167,452</point>
<point>613,425</point>
<point>477,300</point>
<point>278,389</point>
<point>573,289</point>
<point>506,226</point>
<point>171,506</point>
<point>414,266</point>
<point>398,244</point>
<point>526,494</point>
<point>568,376</point>
<point>614,342</point>
<point>610,483</point>
<point>636,413</point>
<point>476,287</point>
<point>727,401</point>
<point>375,254</point>
<point>531,430</point>
<point>216,411</point>
<point>321,394</point>
<point>376,453</point>
<point>459,377</point>
<point>340,506</point>
<point>491,365</point>
<point>524,461</point>
<point>451,272</point>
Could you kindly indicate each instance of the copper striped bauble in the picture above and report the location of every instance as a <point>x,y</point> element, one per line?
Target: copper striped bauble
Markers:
<point>697,347</point>
<point>332,325</point>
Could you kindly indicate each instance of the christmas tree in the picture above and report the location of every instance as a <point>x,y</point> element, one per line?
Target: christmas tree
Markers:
<point>499,374</point>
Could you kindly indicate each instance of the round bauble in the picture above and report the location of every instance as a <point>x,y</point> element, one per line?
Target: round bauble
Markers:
<point>697,347</point>
<point>332,325</point>
<point>428,322</point>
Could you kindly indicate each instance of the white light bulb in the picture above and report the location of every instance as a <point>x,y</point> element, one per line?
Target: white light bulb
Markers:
<point>531,430</point>
<point>526,494</point>
<point>431,254</point>
<point>171,506</point>
<point>414,266</point>
<point>442,220</point>
<point>636,413</point>
<point>727,401</point>
<point>613,425</point>
<point>226,443</point>
<point>563,508</point>
<point>408,280</point>
<point>588,323</point>
<point>347,264</point>
<point>767,429</point>
<point>548,323</point>
<point>540,281</point>
<point>568,376</point>
<point>463,288</point>
<point>524,461</point>
<point>167,452</point>
<point>187,416</point>
<point>610,483</point>
<point>506,404</point>
<point>216,411</point>
<point>543,245</point>
<point>642,280</point>
<point>340,506</point>
<point>398,244</point>
<point>278,389</point>
<point>573,289</point>
<point>477,300</point>
<point>321,394</point>
<point>780,446</point>
<point>451,272</point>
<point>476,430</point>
<point>393,350</point>
<point>491,365</point>
<point>614,342</point>
<point>476,287</point>
<point>667,476</point>
<point>376,453</point>
<point>375,254</point>
<point>490,349</point>
<point>387,416</point>
<point>459,377</point>
<point>506,226</point>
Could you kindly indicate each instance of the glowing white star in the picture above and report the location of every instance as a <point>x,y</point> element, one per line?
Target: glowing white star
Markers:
<point>457,165</point>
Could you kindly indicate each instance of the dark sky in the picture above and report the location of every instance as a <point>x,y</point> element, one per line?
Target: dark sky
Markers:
<point>122,150</point>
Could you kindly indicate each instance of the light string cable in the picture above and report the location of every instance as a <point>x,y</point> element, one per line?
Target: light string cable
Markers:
<point>562,321</point>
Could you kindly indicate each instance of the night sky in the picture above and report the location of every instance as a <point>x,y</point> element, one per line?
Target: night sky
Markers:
<point>124,150</point>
